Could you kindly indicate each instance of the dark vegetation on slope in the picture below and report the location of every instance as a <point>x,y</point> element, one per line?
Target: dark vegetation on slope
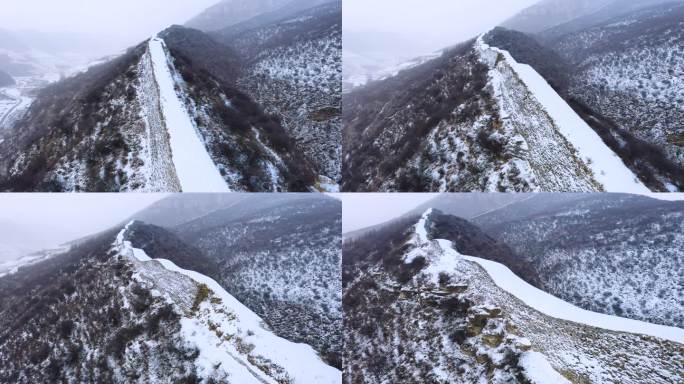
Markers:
<point>436,88</point>
<point>62,118</point>
<point>159,243</point>
<point>382,244</point>
<point>206,54</point>
<point>470,240</point>
<point>71,309</point>
<point>293,68</point>
<point>202,63</point>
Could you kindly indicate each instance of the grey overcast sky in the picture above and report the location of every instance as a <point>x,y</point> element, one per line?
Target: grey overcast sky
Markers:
<point>361,210</point>
<point>63,217</point>
<point>131,20</point>
<point>437,23</point>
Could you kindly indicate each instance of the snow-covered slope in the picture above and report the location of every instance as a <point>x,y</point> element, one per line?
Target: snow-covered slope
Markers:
<point>164,117</point>
<point>613,254</point>
<point>131,306</point>
<point>232,340</point>
<point>627,68</point>
<point>428,313</point>
<point>293,67</point>
<point>555,307</point>
<point>195,169</point>
<point>474,119</point>
<point>282,258</point>
<point>607,170</point>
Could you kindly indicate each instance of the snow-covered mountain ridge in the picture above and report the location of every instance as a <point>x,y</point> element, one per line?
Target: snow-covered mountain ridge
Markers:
<point>474,120</point>
<point>470,329</point>
<point>517,112</point>
<point>119,125</point>
<point>124,306</point>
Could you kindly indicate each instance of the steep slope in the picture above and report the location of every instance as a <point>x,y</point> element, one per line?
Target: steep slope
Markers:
<point>626,68</point>
<point>195,170</point>
<point>105,311</point>
<point>647,161</point>
<point>282,259</point>
<point>293,67</point>
<point>614,254</point>
<point>473,120</point>
<point>420,311</point>
<point>152,120</point>
<point>237,127</point>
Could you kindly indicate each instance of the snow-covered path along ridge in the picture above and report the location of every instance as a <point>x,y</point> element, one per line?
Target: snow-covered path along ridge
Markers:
<point>552,306</point>
<point>607,167</point>
<point>300,361</point>
<point>195,169</point>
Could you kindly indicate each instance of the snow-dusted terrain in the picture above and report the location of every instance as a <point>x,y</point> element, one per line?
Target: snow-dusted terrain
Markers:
<point>428,313</point>
<point>606,167</point>
<point>233,339</point>
<point>255,108</point>
<point>194,167</point>
<point>560,309</point>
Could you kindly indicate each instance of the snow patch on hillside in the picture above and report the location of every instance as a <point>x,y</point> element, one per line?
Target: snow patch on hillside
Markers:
<point>608,169</point>
<point>195,169</point>
<point>538,370</point>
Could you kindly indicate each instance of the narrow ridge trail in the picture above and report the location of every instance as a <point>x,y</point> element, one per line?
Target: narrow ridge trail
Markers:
<point>195,169</point>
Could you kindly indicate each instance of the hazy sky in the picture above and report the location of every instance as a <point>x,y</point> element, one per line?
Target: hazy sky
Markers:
<point>437,23</point>
<point>361,210</point>
<point>129,19</point>
<point>72,216</point>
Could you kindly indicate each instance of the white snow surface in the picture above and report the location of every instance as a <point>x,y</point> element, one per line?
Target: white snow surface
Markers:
<point>421,227</point>
<point>607,167</point>
<point>194,167</point>
<point>538,370</point>
<point>300,361</point>
<point>552,306</point>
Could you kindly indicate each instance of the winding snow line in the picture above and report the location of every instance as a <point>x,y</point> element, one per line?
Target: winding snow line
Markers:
<point>195,169</point>
<point>300,361</point>
<point>608,168</point>
<point>560,309</point>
